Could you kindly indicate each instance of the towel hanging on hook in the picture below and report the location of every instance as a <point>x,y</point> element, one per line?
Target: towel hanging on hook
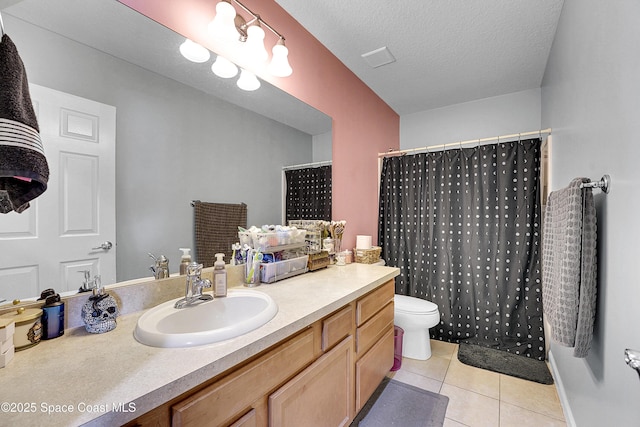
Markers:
<point>24,171</point>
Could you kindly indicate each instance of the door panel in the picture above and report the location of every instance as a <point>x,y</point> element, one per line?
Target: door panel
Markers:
<point>49,244</point>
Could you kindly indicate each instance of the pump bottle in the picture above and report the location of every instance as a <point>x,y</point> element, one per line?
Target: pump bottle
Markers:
<point>219,277</point>
<point>185,260</point>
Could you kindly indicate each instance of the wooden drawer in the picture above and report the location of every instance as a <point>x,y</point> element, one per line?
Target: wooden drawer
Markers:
<point>321,395</point>
<point>249,419</point>
<point>372,367</point>
<point>336,327</point>
<point>374,329</point>
<point>371,303</point>
<point>224,400</point>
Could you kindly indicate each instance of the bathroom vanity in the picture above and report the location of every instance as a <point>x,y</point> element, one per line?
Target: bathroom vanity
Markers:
<point>315,363</point>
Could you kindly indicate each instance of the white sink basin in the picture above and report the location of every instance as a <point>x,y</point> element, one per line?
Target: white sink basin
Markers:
<point>241,311</point>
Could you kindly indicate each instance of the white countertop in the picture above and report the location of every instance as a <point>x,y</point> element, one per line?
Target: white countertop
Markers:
<point>80,377</point>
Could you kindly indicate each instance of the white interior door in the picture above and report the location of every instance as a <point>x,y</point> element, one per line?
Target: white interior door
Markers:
<point>61,234</point>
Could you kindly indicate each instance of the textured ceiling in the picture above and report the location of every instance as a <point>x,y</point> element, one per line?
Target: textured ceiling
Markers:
<point>446,51</point>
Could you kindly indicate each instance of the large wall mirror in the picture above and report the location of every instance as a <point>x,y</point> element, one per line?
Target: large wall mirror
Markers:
<point>182,133</point>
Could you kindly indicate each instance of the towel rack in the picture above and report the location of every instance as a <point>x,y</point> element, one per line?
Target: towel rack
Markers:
<point>604,184</point>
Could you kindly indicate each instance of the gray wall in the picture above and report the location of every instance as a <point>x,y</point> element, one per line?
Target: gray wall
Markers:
<point>322,147</point>
<point>484,118</point>
<point>591,99</point>
<point>174,144</point>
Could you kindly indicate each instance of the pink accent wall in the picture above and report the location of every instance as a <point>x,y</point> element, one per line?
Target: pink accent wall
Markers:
<point>363,124</point>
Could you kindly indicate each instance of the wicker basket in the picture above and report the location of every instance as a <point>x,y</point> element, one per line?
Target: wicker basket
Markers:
<point>318,260</point>
<point>368,256</point>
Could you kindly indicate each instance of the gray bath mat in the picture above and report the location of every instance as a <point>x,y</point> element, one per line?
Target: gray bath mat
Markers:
<point>505,363</point>
<point>399,404</point>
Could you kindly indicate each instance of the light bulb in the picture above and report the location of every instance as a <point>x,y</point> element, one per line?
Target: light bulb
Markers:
<point>279,65</point>
<point>254,49</point>
<point>223,26</point>
<point>224,68</point>
<point>194,52</point>
<point>248,81</point>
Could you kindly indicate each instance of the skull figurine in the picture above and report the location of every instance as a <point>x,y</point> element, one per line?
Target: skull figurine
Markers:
<point>99,313</point>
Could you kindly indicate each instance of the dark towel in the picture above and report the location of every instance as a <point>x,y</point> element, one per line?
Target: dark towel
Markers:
<point>24,171</point>
<point>569,266</point>
<point>216,229</point>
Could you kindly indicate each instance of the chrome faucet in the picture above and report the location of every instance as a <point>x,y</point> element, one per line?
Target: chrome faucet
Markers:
<point>193,290</point>
<point>160,268</point>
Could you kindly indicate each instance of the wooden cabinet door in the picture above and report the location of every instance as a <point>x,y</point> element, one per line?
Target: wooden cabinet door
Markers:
<point>223,400</point>
<point>321,395</point>
<point>372,368</point>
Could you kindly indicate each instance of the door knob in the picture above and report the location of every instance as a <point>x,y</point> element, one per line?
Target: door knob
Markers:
<point>105,246</point>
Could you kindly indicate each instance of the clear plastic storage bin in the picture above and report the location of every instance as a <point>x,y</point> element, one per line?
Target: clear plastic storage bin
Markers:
<point>274,271</point>
<point>245,238</point>
<point>267,241</point>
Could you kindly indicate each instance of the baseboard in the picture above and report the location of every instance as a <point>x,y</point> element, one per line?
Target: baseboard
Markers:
<point>562,395</point>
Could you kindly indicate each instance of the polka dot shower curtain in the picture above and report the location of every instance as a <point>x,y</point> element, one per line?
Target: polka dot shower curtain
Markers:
<point>463,226</point>
<point>308,193</point>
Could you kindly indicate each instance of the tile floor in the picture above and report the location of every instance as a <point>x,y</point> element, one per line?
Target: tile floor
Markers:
<point>478,397</point>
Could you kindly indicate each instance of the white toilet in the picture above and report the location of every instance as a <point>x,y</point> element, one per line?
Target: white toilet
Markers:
<point>415,316</point>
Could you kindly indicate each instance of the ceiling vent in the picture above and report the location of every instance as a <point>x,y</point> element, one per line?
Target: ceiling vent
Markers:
<point>379,57</point>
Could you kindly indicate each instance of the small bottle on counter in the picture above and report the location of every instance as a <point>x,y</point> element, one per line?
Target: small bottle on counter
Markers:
<point>185,260</point>
<point>52,314</point>
<point>348,256</point>
<point>219,277</point>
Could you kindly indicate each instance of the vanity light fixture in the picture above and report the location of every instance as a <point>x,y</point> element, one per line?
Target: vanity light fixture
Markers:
<point>244,42</point>
<point>194,52</point>
<point>250,34</point>
<point>224,68</point>
<point>223,26</point>
<point>279,65</point>
<point>253,49</point>
<point>248,81</point>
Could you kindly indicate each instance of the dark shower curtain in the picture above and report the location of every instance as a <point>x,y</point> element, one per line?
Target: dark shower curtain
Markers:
<point>464,227</point>
<point>308,193</point>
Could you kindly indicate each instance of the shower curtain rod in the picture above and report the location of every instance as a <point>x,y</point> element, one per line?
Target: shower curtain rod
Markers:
<point>306,165</point>
<point>460,143</point>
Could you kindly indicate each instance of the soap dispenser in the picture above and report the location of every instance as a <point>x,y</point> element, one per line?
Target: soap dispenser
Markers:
<point>219,277</point>
<point>100,311</point>
<point>185,260</point>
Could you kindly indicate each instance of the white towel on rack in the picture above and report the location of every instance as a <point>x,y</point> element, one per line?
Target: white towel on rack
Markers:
<point>569,266</point>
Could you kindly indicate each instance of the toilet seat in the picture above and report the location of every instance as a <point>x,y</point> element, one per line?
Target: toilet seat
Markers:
<point>412,305</point>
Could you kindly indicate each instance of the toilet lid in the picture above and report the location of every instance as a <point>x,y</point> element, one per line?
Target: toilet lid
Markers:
<point>408,304</point>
